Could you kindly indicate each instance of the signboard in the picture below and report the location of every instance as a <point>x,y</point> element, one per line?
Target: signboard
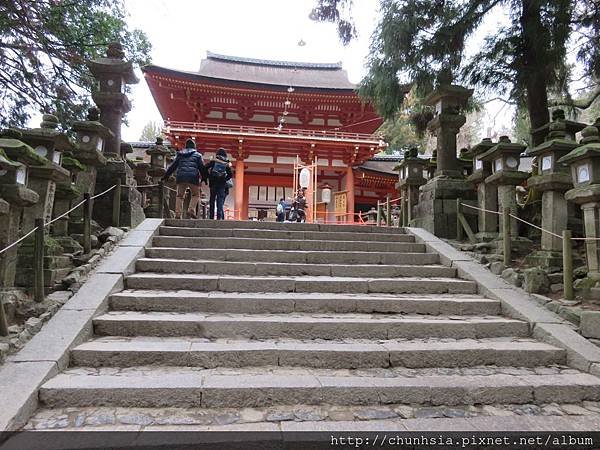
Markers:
<point>340,202</point>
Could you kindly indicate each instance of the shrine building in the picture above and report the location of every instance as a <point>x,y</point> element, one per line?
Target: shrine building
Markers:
<point>269,115</point>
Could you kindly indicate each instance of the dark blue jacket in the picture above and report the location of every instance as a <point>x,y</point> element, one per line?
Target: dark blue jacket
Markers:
<point>189,165</point>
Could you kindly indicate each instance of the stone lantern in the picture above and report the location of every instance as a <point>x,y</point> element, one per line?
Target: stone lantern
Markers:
<point>487,194</point>
<point>436,209</point>
<point>48,143</point>
<point>553,180</point>
<point>411,170</point>
<point>505,158</point>
<point>158,158</point>
<point>113,73</point>
<point>465,162</point>
<point>14,191</point>
<point>584,162</point>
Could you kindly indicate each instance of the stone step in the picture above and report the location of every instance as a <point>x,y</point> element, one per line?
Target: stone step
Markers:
<point>241,388</point>
<point>347,354</point>
<point>274,244</point>
<point>297,257</point>
<point>306,326</point>
<point>285,234</point>
<point>230,283</point>
<point>278,226</point>
<point>223,302</point>
<point>160,265</point>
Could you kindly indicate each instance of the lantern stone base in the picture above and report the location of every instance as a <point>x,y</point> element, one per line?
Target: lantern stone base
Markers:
<point>436,210</point>
<point>544,259</point>
<point>56,265</point>
<point>486,236</point>
<point>520,246</point>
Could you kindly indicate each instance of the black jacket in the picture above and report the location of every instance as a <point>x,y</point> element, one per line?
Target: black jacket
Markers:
<point>189,165</point>
<point>218,181</point>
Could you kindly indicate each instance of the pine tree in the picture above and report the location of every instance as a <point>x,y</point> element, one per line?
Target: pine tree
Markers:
<point>422,41</point>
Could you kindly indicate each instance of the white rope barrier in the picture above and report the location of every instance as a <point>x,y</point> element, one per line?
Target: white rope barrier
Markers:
<point>530,224</point>
<point>535,226</point>
<point>102,193</point>
<point>17,241</point>
<point>64,214</point>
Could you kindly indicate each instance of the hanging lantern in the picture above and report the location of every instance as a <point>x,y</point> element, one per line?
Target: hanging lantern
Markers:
<point>305,178</point>
<point>326,193</point>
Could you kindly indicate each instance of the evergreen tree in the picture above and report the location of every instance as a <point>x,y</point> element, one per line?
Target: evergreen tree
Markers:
<point>423,41</point>
<point>44,45</point>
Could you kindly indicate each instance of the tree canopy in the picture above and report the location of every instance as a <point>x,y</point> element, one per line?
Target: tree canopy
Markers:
<point>151,131</point>
<point>525,58</point>
<point>44,45</point>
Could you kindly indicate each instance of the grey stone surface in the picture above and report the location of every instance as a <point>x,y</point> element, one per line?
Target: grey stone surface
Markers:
<point>590,324</point>
<point>121,261</point>
<point>535,280</point>
<point>581,353</point>
<point>93,295</point>
<point>135,238</point>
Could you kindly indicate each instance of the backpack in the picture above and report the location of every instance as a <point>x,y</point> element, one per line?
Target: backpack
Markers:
<point>279,208</point>
<point>218,170</point>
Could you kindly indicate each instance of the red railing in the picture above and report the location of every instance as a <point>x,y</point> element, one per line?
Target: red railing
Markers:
<point>174,127</point>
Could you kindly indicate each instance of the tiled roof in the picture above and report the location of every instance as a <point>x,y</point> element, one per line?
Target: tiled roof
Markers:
<point>280,73</point>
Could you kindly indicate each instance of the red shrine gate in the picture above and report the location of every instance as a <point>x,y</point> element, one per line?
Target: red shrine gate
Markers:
<point>266,114</point>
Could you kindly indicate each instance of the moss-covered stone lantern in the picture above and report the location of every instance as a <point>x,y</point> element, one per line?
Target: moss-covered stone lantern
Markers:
<point>15,159</point>
<point>584,162</point>
<point>487,194</point>
<point>158,158</point>
<point>504,158</point>
<point>553,179</point>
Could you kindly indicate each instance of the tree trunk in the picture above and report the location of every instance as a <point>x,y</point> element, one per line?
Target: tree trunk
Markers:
<point>535,46</point>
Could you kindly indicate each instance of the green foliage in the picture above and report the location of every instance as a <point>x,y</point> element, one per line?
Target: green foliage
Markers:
<point>44,45</point>
<point>422,42</point>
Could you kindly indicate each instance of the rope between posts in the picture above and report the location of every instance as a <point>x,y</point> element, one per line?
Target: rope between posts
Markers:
<point>102,193</point>
<point>17,241</point>
<point>535,226</point>
<point>21,239</point>
<point>530,224</point>
<point>64,214</point>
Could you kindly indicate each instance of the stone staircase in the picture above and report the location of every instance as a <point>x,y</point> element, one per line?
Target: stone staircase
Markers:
<point>262,325</point>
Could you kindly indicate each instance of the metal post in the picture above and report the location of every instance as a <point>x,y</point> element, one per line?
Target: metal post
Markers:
<point>161,199</point>
<point>567,264</point>
<point>116,216</point>
<point>378,214</point>
<point>506,236</point>
<point>388,210</point>
<point>3,320</point>
<point>459,229</point>
<point>87,224</point>
<point>38,261</point>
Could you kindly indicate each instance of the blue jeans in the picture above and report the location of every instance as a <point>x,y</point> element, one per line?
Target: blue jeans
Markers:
<point>217,194</point>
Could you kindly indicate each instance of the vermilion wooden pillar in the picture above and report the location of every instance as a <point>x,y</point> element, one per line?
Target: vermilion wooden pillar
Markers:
<point>239,188</point>
<point>350,195</point>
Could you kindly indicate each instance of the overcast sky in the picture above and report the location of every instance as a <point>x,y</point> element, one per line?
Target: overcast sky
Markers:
<point>182,31</point>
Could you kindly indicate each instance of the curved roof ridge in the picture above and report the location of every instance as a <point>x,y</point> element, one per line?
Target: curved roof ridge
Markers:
<point>274,63</point>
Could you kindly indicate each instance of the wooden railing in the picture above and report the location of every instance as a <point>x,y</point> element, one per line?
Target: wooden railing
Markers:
<point>173,127</point>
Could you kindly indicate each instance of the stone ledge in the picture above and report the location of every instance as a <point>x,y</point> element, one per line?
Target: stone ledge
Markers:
<point>48,351</point>
<point>122,261</point>
<point>581,353</point>
<point>546,325</point>
<point>20,383</point>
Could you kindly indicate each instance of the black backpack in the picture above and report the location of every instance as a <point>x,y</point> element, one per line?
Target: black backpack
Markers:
<point>219,170</point>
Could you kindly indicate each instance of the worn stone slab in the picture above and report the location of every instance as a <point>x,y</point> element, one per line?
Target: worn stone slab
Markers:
<point>581,353</point>
<point>149,225</point>
<point>66,329</point>
<point>291,427</point>
<point>19,384</point>
<point>448,254</point>
<point>259,390</point>
<point>520,306</point>
<point>441,424</point>
<point>93,295</point>
<point>121,261</point>
<point>138,238</point>
<point>590,324</point>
